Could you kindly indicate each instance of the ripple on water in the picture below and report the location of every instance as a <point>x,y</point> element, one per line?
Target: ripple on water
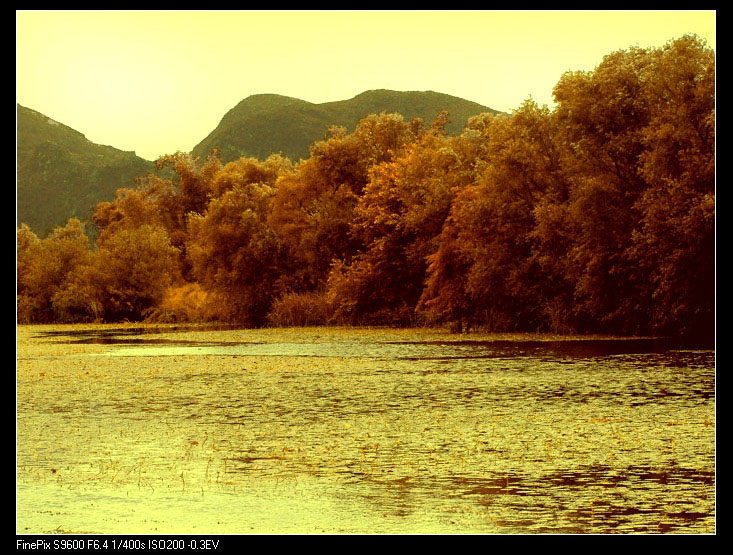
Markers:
<point>333,431</point>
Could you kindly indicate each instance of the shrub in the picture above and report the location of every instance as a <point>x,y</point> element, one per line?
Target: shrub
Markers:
<point>300,309</point>
<point>187,303</point>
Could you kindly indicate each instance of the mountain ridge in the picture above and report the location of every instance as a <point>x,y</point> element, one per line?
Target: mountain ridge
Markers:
<point>62,174</point>
<point>264,124</point>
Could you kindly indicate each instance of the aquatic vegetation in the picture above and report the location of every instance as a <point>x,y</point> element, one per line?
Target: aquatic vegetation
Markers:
<point>367,430</point>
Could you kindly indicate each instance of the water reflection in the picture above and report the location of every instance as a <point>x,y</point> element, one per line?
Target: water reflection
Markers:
<point>455,348</point>
<point>557,352</point>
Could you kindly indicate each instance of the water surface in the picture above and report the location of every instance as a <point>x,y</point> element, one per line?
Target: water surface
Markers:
<point>362,431</point>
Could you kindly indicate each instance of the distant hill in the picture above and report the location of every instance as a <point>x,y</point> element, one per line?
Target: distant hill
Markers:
<point>264,124</point>
<point>62,175</point>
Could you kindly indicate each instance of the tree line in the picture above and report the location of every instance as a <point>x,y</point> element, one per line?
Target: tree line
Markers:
<point>597,215</point>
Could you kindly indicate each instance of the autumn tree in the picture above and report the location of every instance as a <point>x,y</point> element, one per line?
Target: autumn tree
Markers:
<point>485,260</point>
<point>25,239</point>
<point>444,298</point>
<point>235,254</point>
<point>248,171</point>
<point>638,224</point>
<point>674,243</point>
<point>182,186</point>
<point>398,219</point>
<point>132,208</point>
<point>124,279</point>
<point>314,207</point>
<point>43,267</point>
<point>193,180</point>
<point>603,115</point>
<point>597,215</point>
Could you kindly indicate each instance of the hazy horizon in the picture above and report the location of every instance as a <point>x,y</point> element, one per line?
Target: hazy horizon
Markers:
<point>126,78</point>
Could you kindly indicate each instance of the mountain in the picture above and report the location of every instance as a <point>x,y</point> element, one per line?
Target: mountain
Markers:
<point>264,124</point>
<point>61,174</point>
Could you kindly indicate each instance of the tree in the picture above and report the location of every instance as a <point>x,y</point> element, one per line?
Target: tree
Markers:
<point>674,242</point>
<point>235,254</point>
<point>43,266</point>
<point>603,115</point>
<point>484,270</point>
<point>194,179</point>
<point>163,200</point>
<point>313,208</point>
<point>398,219</point>
<point>124,279</point>
<point>598,215</point>
<point>247,171</point>
<point>25,240</point>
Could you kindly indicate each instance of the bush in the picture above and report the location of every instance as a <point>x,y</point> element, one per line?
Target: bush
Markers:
<point>300,309</point>
<point>187,303</point>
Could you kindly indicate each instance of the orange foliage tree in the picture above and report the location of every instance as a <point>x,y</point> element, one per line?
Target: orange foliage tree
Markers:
<point>44,266</point>
<point>235,253</point>
<point>124,279</point>
<point>484,270</point>
<point>397,219</point>
<point>313,208</point>
<point>597,215</point>
<point>674,243</point>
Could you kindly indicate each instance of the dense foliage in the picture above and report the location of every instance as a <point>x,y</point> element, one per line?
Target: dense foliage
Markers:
<point>597,215</point>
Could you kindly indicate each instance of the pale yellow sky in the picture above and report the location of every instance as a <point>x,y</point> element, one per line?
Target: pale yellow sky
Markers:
<point>158,82</point>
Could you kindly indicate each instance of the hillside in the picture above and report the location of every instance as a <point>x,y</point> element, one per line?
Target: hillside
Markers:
<point>61,174</point>
<point>264,124</point>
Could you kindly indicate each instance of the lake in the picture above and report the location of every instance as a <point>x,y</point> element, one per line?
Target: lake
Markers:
<point>195,430</point>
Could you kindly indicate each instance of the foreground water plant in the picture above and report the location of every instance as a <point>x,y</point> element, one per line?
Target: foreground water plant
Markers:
<point>477,436</point>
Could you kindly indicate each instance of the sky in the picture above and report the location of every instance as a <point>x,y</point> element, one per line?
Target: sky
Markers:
<point>160,81</point>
